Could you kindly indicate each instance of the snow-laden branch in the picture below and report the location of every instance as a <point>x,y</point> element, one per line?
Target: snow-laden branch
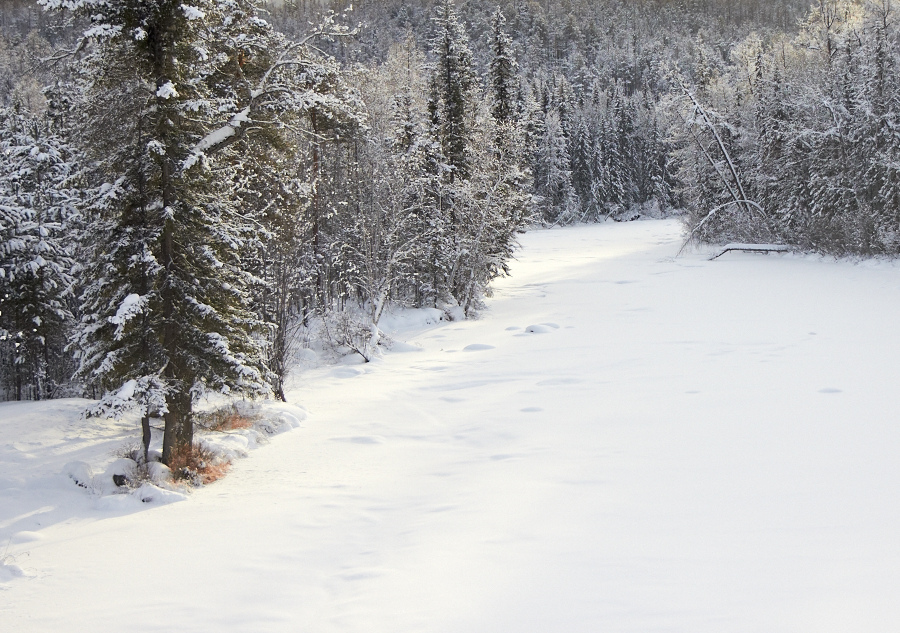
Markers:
<point>218,139</point>
<point>266,88</point>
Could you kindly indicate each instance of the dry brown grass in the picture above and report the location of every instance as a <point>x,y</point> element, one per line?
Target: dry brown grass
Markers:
<point>197,465</point>
<point>225,419</point>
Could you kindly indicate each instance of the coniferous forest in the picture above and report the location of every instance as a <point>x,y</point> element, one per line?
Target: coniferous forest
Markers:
<point>192,190</point>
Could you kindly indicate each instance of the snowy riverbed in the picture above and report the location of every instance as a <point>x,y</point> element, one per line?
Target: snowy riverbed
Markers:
<point>624,441</point>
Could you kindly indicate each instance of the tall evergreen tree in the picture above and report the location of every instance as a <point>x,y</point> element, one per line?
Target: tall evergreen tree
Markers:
<point>504,83</point>
<point>174,88</point>
<point>453,86</point>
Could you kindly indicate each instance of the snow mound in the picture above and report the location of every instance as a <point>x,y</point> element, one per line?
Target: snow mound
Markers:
<point>397,320</point>
<point>281,424</point>
<point>123,468</point>
<point>231,446</point>
<point>148,493</point>
<point>538,329</point>
<point>280,417</point>
<point>10,571</point>
<point>346,372</point>
<point>133,498</point>
<point>455,313</point>
<point>158,473</point>
<point>79,472</point>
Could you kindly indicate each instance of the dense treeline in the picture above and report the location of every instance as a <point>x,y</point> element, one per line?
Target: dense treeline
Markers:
<point>806,129</point>
<point>189,191</point>
<point>591,78</point>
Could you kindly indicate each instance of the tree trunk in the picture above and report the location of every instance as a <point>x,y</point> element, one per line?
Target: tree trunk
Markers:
<point>179,428</point>
<point>145,428</point>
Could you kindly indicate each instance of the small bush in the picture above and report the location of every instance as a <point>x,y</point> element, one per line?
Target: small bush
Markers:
<point>225,419</point>
<point>197,465</point>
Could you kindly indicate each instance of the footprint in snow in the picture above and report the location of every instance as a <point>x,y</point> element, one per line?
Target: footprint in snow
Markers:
<point>556,382</point>
<point>360,439</point>
<point>399,347</point>
<point>346,372</point>
<point>830,390</point>
<point>537,328</point>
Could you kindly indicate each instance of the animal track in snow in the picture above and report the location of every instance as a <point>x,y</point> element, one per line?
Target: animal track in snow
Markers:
<point>347,372</point>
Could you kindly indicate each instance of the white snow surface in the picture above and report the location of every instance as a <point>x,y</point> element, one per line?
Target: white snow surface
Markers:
<point>623,442</point>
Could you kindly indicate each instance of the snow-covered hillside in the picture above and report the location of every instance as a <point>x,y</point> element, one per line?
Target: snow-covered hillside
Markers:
<point>624,441</point>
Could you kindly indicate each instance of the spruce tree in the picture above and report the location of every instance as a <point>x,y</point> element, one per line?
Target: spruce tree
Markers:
<point>504,82</point>
<point>169,88</point>
<point>453,89</point>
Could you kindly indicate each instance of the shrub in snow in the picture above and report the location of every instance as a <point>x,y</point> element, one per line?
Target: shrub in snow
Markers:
<point>198,465</point>
<point>226,419</point>
<point>351,331</point>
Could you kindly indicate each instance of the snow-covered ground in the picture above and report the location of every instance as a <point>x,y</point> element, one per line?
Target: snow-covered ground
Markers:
<point>624,441</point>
